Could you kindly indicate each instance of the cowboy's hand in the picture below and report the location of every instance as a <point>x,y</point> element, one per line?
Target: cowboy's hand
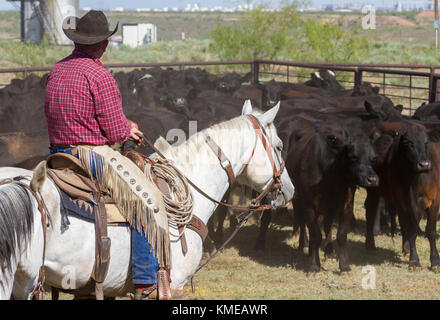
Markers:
<point>135,133</point>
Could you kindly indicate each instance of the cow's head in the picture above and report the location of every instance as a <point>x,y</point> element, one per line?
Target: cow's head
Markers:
<point>355,154</point>
<point>360,157</point>
<point>413,144</point>
<point>271,94</point>
<point>229,82</point>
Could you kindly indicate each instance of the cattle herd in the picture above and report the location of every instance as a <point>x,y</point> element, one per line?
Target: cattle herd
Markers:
<point>335,140</point>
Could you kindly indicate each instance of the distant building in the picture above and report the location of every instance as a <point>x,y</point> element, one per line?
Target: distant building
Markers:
<point>119,9</point>
<point>134,35</point>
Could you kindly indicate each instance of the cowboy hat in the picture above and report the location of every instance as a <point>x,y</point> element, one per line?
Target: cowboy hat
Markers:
<point>92,28</point>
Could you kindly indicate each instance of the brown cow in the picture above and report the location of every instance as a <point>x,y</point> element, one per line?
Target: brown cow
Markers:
<point>409,169</point>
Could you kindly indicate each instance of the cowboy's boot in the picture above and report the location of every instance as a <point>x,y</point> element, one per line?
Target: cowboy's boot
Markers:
<point>147,293</point>
<point>163,284</point>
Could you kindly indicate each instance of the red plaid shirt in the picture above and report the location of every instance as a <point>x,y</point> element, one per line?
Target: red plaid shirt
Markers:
<point>83,103</point>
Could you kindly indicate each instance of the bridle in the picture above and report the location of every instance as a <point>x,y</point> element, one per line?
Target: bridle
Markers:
<point>260,134</point>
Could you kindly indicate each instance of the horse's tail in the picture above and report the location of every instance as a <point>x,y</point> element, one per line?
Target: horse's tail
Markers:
<point>16,224</point>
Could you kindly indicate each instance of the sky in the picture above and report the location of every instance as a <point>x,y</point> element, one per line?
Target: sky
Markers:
<point>108,4</point>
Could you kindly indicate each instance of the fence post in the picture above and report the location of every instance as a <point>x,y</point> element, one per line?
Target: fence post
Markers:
<point>432,86</point>
<point>255,70</point>
<point>357,77</point>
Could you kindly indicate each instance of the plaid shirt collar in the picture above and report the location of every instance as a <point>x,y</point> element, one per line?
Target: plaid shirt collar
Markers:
<point>78,53</point>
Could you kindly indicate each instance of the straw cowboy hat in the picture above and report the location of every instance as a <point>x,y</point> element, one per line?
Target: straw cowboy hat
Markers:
<point>92,28</point>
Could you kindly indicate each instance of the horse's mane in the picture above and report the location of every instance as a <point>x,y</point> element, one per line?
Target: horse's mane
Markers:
<point>194,142</point>
<point>16,223</point>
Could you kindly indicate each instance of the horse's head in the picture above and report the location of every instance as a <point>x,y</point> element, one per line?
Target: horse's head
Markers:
<point>264,166</point>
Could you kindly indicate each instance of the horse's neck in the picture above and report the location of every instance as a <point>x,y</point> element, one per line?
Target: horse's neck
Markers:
<point>200,164</point>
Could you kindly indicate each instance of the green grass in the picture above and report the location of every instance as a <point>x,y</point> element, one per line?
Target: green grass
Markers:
<point>239,273</point>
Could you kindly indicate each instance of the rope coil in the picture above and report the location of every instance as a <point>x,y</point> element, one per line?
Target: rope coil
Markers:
<point>179,203</point>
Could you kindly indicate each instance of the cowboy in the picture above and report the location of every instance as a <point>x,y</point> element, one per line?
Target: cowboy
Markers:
<point>83,106</point>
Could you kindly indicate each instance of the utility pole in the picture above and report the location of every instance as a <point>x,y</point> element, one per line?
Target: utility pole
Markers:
<point>22,22</point>
<point>436,26</point>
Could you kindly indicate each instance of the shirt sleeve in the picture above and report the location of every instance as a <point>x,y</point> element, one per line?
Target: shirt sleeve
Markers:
<point>109,113</point>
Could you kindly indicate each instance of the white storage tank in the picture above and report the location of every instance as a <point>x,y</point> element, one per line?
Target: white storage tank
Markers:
<point>55,11</point>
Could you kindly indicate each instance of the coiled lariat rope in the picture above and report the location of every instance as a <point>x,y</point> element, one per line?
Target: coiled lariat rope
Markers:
<point>179,202</point>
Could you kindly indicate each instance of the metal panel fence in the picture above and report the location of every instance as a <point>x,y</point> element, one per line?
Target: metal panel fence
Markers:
<point>401,83</point>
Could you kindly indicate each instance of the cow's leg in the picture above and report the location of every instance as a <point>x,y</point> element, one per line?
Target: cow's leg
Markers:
<point>221,216</point>
<point>393,216</point>
<point>328,242</point>
<point>221,213</point>
<point>404,229</point>
<point>315,240</point>
<point>380,218</point>
<point>344,225</point>
<point>299,219</point>
<point>260,243</point>
<point>431,231</point>
<point>414,262</point>
<point>371,210</point>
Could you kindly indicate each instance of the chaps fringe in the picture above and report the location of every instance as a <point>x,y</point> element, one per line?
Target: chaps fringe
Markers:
<point>131,205</point>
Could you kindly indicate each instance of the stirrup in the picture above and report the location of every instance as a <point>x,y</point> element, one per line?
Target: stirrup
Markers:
<point>144,295</point>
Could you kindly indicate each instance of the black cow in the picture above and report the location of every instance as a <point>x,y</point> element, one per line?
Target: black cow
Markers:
<point>324,79</point>
<point>326,162</point>
<point>429,112</point>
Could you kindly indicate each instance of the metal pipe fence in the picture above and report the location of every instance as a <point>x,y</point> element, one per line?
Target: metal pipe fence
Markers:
<point>401,83</point>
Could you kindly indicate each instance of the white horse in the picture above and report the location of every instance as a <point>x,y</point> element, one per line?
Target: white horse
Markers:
<point>70,255</point>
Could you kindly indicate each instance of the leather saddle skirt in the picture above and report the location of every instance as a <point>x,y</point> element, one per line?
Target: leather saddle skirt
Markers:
<point>76,189</point>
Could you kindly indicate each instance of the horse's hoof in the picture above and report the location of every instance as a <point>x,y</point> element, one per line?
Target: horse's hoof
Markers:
<point>345,273</point>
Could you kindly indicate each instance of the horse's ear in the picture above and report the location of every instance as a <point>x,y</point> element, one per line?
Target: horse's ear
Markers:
<point>162,144</point>
<point>39,177</point>
<point>247,108</point>
<point>269,116</point>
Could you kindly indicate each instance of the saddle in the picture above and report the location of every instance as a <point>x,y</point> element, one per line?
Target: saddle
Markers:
<point>73,180</point>
<point>69,176</point>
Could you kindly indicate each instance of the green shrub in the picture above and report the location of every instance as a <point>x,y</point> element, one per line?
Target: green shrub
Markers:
<point>286,34</point>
